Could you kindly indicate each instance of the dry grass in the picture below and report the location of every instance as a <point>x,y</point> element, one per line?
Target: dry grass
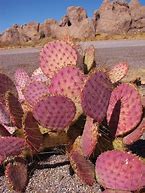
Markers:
<point>135,36</point>
<point>98,37</point>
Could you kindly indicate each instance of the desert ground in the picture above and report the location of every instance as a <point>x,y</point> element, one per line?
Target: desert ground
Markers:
<point>52,174</point>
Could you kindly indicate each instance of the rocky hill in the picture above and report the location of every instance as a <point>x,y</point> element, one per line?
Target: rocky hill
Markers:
<point>113,17</point>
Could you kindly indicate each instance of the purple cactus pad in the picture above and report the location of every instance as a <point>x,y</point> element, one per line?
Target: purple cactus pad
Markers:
<point>54,112</point>
<point>96,95</point>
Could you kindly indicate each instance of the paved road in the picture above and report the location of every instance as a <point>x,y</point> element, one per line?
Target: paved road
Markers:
<point>107,53</point>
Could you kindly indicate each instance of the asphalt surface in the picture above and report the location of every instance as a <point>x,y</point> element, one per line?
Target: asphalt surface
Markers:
<point>108,53</point>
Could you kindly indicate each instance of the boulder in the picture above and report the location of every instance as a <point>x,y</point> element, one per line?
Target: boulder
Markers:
<point>106,5</point>
<point>64,21</point>
<point>59,32</point>
<point>46,28</point>
<point>10,36</point>
<point>80,30</point>
<point>114,19</point>
<point>138,16</point>
<point>29,31</point>
<point>76,14</point>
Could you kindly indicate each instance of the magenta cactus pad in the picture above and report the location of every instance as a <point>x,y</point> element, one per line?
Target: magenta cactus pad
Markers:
<point>128,115</point>
<point>56,55</point>
<point>96,95</point>
<point>55,112</point>
<point>120,170</point>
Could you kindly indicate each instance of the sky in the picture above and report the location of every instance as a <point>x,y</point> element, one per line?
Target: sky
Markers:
<point>24,11</point>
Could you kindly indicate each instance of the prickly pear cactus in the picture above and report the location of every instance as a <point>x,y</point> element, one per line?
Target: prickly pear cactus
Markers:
<point>59,111</point>
<point>89,137</point>
<point>118,72</point>
<point>83,167</point>
<point>69,82</point>
<point>96,95</point>
<point>56,55</point>
<point>34,91</point>
<point>10,146</point>
<point>16,176</point>
<point>136,134</point>
<point>89,57</point>
<point>125,109</point>
<point>64,104</point>
<point>120,170</point>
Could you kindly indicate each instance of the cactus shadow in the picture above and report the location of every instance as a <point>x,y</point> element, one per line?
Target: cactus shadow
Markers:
<point>114,120</point>
<point>138,148</point>
<point>40,161</point>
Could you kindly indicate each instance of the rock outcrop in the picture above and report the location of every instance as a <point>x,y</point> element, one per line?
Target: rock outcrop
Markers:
<point>76,14</point>
<point>117,17</point>
<point>138,16</point>
<point>10,36</point>
<point>113,17</point>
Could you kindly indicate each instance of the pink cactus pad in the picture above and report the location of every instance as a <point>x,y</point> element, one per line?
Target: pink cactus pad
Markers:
<point>6,84</point>
<point>4,115</point>
<point>35,90</point>
<point>69,82</point>
<point>82,167</point>
<point>125,109</point>
<point>96,95</point>
<point>10,146</point>
<point>15,109</point>
<point>56,55</point>
<point>89,57</point>
<point>89,137</point>
<point>118,72</point>
<point>38,75</point>
<point>32,132</point>
<point>20,94</point>
<point>21,77</point>
<point>120,170</point>
<point>54,112</point>
<point>136,134</point>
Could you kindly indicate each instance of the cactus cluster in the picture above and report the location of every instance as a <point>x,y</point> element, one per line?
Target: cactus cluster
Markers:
<point>44,110</point>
